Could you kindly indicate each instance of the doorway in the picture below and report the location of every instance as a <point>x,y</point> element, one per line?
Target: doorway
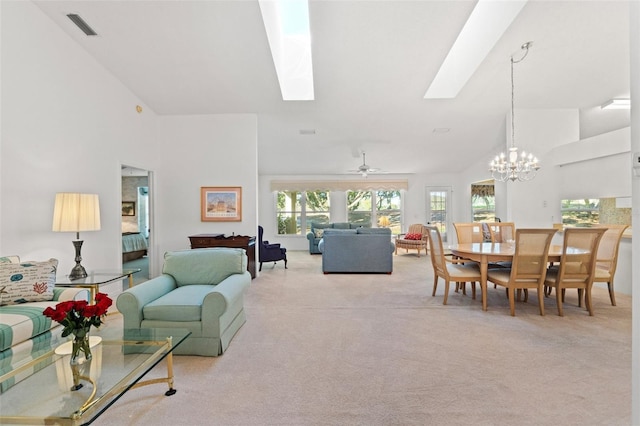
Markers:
<point>439,209</point>
<point>136,221</point>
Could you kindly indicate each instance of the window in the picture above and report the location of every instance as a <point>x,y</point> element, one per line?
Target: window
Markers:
<point>316,208</point>
<point>297,209</point>
<point>359,207</point>
<point>388,210</point>
<point>383,208</point>
<point>483,202</point>
<point>581,212</point>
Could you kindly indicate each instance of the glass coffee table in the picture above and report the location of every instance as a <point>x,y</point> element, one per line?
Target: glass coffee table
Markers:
<point>96,279</point>
<point>41,382</point>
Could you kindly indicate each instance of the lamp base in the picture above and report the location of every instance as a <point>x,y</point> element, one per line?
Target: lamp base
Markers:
<point>78,271</point>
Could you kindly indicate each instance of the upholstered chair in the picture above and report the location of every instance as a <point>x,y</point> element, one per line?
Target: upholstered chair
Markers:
<point>270,252</point>
<point>414,239</point>
<point>201,290</point>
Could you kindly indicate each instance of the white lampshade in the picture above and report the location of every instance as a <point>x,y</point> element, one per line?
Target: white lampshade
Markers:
<point>75,212</point>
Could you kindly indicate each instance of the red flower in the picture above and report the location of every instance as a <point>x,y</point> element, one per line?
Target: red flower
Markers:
<point>78,316</point>
<point>55,314</point>
<point>65,306</point>
<point>90,311</point>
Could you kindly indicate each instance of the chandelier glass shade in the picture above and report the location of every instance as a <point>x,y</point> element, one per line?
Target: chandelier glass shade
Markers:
<point>514,166</point>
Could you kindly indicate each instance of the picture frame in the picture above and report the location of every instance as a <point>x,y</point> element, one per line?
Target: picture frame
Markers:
<point>221,204</point>
<point>128,208</point>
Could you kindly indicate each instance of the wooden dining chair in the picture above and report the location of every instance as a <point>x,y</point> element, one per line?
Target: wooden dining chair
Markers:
<point>449,271</point>
<point>468,233</point>
<point>528,267</point>
<point>607,259</point>
<point>502,232</point>
<point>577,265</point>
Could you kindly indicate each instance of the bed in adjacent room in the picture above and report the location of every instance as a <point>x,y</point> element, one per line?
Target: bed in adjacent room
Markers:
<point>134,246</point>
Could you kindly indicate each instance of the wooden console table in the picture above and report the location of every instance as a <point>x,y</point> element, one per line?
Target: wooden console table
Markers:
<point>234,241</point>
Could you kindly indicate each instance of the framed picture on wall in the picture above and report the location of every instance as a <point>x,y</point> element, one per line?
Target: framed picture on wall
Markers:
<point>128,208</point>
<point>221,203</point>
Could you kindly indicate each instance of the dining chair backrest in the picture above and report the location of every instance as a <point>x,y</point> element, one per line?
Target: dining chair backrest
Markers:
<point>437,252</point>
<point>579,251</point>
<point>502,232</point>
<point>530,256</point>
<point>607,258</point>
<point>469,232</point>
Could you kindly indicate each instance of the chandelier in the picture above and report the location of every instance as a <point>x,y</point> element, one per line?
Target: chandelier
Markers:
<point>513,166</point>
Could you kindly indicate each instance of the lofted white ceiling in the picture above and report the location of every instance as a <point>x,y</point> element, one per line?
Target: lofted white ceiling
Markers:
<point>372,62</point>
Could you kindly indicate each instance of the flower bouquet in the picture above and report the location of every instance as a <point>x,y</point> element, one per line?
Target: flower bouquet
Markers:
<point>77,317</point>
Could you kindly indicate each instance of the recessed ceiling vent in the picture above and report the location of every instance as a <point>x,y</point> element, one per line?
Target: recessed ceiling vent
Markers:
<point>76,19</point>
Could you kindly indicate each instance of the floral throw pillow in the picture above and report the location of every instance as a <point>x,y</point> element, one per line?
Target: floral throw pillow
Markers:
<point>318,232</point>
<point>27,281</point>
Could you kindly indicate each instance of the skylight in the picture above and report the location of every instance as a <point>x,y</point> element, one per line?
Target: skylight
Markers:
<point>486,24</point>
<point>287,25</point>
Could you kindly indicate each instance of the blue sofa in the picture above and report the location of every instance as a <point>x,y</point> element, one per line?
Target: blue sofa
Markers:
<point>365,250</point>
<point>201,290</point>
<point>317,231</point>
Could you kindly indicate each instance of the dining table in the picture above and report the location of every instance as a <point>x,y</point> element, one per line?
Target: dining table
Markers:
<point>486,253</point>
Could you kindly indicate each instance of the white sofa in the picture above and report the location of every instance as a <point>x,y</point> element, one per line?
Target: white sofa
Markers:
<point>24,329</point>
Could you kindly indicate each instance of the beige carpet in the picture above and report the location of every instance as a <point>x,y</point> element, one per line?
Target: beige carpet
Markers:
<point>380,350</point>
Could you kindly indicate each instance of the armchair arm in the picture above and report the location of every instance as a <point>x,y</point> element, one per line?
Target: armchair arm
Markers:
<point>131,301</point>
<point>224,295</point>
<point>311,236</point>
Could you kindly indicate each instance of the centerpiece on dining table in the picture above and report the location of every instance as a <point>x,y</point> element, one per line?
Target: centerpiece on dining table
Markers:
<point>77,317</point>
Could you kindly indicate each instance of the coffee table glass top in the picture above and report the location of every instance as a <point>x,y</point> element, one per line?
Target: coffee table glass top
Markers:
<point>43,378</point>
<point>96,278</point>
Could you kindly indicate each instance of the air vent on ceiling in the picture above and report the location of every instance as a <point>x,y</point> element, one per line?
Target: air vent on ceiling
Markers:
<point>76,19</point>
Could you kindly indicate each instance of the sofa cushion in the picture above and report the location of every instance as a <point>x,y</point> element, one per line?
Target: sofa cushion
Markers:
<point>27,281</point>
<point>342,225</point>
<point>318,233</point>
<point>20,323</point>
<point>330,231</point>
<point>205,266</point>
<point>374,231</point>
<point>182,304</point>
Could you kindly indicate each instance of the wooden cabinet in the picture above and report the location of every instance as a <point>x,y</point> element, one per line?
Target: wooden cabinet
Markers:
<point>233,241</point>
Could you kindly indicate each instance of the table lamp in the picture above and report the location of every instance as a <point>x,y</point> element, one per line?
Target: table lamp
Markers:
<point>74,213</point>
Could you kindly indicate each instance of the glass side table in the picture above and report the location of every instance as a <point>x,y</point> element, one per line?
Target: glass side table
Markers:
<point>95,279</point>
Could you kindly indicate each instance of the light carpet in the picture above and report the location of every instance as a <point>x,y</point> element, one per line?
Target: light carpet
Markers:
<point>361,349</point>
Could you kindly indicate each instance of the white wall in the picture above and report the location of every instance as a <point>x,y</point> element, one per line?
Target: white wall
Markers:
<point>206,150</point>
<point>68,125</point>
<point>635,147</point>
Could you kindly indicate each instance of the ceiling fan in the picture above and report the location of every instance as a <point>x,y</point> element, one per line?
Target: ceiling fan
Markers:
<point>365,169</point>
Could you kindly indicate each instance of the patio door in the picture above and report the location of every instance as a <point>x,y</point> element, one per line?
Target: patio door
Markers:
<point>439,209</point>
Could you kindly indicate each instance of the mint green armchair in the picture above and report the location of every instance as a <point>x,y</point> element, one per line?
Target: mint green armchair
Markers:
<point>200,290</point>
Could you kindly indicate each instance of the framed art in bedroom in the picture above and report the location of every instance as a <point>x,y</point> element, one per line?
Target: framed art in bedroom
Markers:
<point>221,204</point>
<point>128,208</point>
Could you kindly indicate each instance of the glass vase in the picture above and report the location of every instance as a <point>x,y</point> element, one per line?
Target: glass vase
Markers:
<point>80,357</point>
